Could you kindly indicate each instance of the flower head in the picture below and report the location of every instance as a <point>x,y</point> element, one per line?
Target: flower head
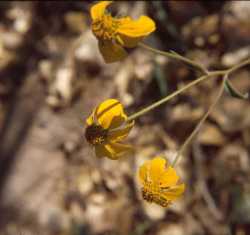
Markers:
<point>159,182</point>
<point>116,34</point>
<point>106,127</point>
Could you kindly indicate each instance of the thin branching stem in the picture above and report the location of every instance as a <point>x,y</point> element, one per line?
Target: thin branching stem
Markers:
<point>167,98</point>
<point>197,128</point>
<point>217,73</point>
<point>231,70</point>
<point>174,55</point>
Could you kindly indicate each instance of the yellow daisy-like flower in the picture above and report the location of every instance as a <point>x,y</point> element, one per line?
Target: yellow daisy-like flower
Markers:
<point>160,182</point>
<point>106,127</point>
<point>116,34</point>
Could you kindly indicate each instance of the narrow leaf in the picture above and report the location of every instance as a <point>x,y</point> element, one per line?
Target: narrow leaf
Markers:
<point>234,92</point>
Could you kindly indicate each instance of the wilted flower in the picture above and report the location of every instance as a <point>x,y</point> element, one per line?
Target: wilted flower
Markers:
<point>159,182</point>
<point>116,34</point>
<point>106,127</point>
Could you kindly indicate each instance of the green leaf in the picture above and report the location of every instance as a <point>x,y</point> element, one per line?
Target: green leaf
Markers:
<point>234,92</point>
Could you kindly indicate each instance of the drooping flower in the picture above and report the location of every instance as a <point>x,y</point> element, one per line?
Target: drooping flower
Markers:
<point>106,127</point>
<point>116,34</point>
<point>160,182</point>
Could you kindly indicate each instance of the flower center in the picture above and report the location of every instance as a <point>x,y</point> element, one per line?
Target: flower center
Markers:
<point>154,194</point>
<point>105,28</point>
<point>96,134</point>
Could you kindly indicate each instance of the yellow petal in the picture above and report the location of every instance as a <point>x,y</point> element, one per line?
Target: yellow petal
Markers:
<point>90,119</point>
<point>107,111</point>
<point>102,151</point>
<point>169,177</point>
<point>112,150</point>
<point>111,51</point>
<point>120,133</point>
<point>121,149</point>
<point>129,42</point>
<point>174,192</point>
<point>143,172</point>
<point>157,168</point>
<point>118,121</point>
<point>136,28</point>
<point>98,9</point>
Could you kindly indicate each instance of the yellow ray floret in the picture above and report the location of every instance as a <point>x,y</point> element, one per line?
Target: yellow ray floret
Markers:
<point>160,182</point>
<point>106,127</point>
<point>116,34</point>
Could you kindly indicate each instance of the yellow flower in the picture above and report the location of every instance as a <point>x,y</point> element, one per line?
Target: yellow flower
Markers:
<point>159,182</point>
<point>116,34</point>
<point>106,127</point>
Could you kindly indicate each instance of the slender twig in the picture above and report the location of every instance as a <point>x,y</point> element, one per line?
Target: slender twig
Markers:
<point>197,128</point>
<point>174,55</point>
<point>224,73</point>
<point>167,98</point>
<point>231,70</point>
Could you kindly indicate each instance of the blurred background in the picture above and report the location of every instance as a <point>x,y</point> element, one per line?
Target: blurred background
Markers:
<point>50,180</point>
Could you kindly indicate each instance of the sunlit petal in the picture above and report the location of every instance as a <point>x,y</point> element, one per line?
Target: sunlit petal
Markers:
<point>157,168</point>
<point>112,150</point>
<point>98,9</point>
<point>169,177</point>
<point>90,120</point>
<point>174,192</point>
<point>106,112</point>
<point>159,182</point>
<point>143,172</point>
<point>136,28</point>
<point>114,33</point>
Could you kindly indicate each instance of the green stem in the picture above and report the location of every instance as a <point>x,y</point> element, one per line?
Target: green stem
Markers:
<point>197,128</point>
<point>207,75</point>
<point>235,92</point>
<point>175,56</point>
<point>167,98</point>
